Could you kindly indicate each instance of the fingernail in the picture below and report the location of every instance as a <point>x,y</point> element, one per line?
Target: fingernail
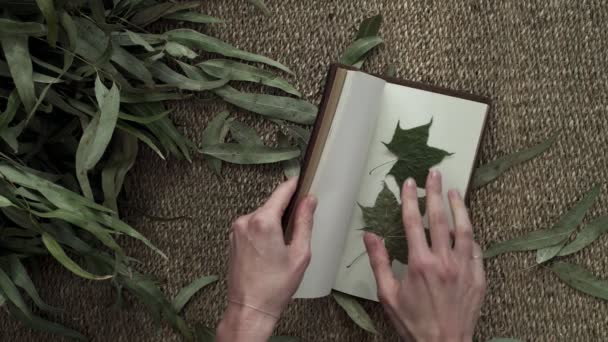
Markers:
<point>434,173</point>
<point>312,200</point>
<point>453,193</point>
<point>410,182</point>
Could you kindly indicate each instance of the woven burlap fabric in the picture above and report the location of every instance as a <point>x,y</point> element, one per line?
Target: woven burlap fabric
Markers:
<point>543,63</point>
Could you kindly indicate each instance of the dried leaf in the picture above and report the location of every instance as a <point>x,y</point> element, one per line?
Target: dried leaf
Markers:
<point>197,40</point>
<point>581,279</point>
<point>358,49</point>
<point>567,224</point>
<point>259,4</point>
<point>355,311</point>
<point>244,134</point>
<point>178,50</point>
<point>212,135</point>
<point>549,237</point>
<point>241,154</point>
<point>48,10</point>
<point>17,56</point>
<point>193,17</point>
<point>184,295</point>
<point>414,156</point>
<point>492,170</point>
<point>586,236</point>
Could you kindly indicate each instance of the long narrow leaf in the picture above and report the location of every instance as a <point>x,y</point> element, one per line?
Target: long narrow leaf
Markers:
<point>212,135</point>
<point>358,49</point>
<point>172,78</point>
<point>241,154</point>
<point>184,295</point>
<point>244,134</point>
<point>13,27</point>
<point>17,55</point>
<point>59,254</point>
<point>23,280</point>
<point>40,324</point>
<point>193,17</point>
<point>48,10</point>
<point>586,236</point>
<point>355,311</point>
<point>10,292</point>
<point>121,160</point>
<point>581,279</point>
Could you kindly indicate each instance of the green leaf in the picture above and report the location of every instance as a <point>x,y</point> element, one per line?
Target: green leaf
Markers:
<point>291,168</point>
<point>142,136</point>
<point>244,134</point>
<point>37,323</point>
<point>235,71</point>
<point>184,295</point>
<point>131,64</point>
<point>260,5</point>
<point>151,96</point>
<point>390,71</point>
<point>586,236</point>
<point>23,280</point>
<point>549,237</point>
<point>370,27</point>
<point>581,279</point>
<point>138,40</point>
<point>358,49</point>
<point>178,50</point>
<point>212,135</point>
<point>17,56</point>
<point>157,11</point>
<point>121,160</point>
<point>162,72</point>
<point>241,154</point>
<point>414,156</point>
<point>280,107</point>
<point>10,292</point>
<point>97,134</point>
<point>567,224</point>
<point>197,40</point>
<point>5,202</point>
<point>48,10</point>
<point>193,17</point>
<point>384,219</point>
<point>12,27</point>
<point>355,311</point>
<point>72,33</point>
<point>204,334</point>
<point>492,170</point>
<point>59,254</point>
<point>12,105</point>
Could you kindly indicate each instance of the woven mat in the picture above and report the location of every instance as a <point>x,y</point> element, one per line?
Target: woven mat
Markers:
<point>543,63</point>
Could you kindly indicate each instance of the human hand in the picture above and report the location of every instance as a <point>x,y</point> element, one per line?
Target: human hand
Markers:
<point>440,297</point>
<point>264,272</point>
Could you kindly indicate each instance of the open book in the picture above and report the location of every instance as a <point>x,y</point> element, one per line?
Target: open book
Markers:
<point>347,165</point>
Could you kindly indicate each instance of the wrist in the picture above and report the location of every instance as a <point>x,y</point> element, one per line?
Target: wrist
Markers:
<point>242,323</point>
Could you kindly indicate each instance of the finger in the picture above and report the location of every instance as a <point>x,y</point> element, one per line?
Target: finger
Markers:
<point>440,231</point>
<point>477,256</point>
<point>279,200</point>
<point>381,266</point>
<point>412,221</point>
<point>303,222</point>
<point>463,229</point>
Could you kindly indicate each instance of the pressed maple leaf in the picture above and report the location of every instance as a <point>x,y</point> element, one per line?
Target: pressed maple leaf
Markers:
<point>414,156</point>
<point>384,220</point>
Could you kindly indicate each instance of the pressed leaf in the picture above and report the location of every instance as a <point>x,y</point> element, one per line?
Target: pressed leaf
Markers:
<point>13,27</point>
<point>586,236</point>
<point>23,280</point>
<point>59,254</point>
<point>195,39</point>
<point>280,107</point>
<point>10,292</point>
<point>17,56</point>
<point>236,71</point>
<point>48,10</point>
<point>549,237</point>
<point>567,224</point>
<point>581,279</point>
<point>241,154</point>
<point>492,170</point>
<point>370,27</point>
<point>358,49</point>
<point>355,311</point>
<point>194,17</point>
<point>162,72</point>
<point>244,134</point>
<point>414,156</point>
<point>184,295</point>
<point>178,50</point>
<point>212,135</point>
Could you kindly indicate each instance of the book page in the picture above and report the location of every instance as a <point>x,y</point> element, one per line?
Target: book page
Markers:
<point>336,181</point>
<point>457,127</point>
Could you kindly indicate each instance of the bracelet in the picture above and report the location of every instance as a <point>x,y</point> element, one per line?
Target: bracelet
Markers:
<point>253,307</point>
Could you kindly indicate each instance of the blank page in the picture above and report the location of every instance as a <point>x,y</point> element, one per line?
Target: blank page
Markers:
<point>336,181</point>
<point>457,127</point>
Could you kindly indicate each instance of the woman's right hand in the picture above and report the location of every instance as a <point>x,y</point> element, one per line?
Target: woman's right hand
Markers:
<point>440,297</point>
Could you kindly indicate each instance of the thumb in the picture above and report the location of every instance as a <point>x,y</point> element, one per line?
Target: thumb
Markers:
<point>381,265</point>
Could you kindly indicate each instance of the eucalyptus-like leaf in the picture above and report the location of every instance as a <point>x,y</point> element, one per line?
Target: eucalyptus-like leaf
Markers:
<point>581,279</point>
<point>48,10</point>
<point>355,311</point>
<point>175,79</point>
<point>184,295</point>
<point>358,49</point>
<point>10,27</point>
<point>242,154</point>
<point>244,134</point>
<point>591,232</point>
<point>40,324</point>
<point>212,135</point>
<point>178,50</point>
<point>21,278</point>
<point>11,293</point>
<point>121,160</point>
<point>236,71</point>
<point>153,13</point>
<point>492,170</point>
<point>58,253</point>
<point>197,40</point>
<point>138,40</point>
<point>16,52</point>
<point>193,17</point>
<point>370,27</point>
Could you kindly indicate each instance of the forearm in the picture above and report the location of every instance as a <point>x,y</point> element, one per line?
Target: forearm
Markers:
<point>241,323</point>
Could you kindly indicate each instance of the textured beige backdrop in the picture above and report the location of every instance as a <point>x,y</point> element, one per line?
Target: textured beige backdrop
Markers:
<point>543,63</point>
